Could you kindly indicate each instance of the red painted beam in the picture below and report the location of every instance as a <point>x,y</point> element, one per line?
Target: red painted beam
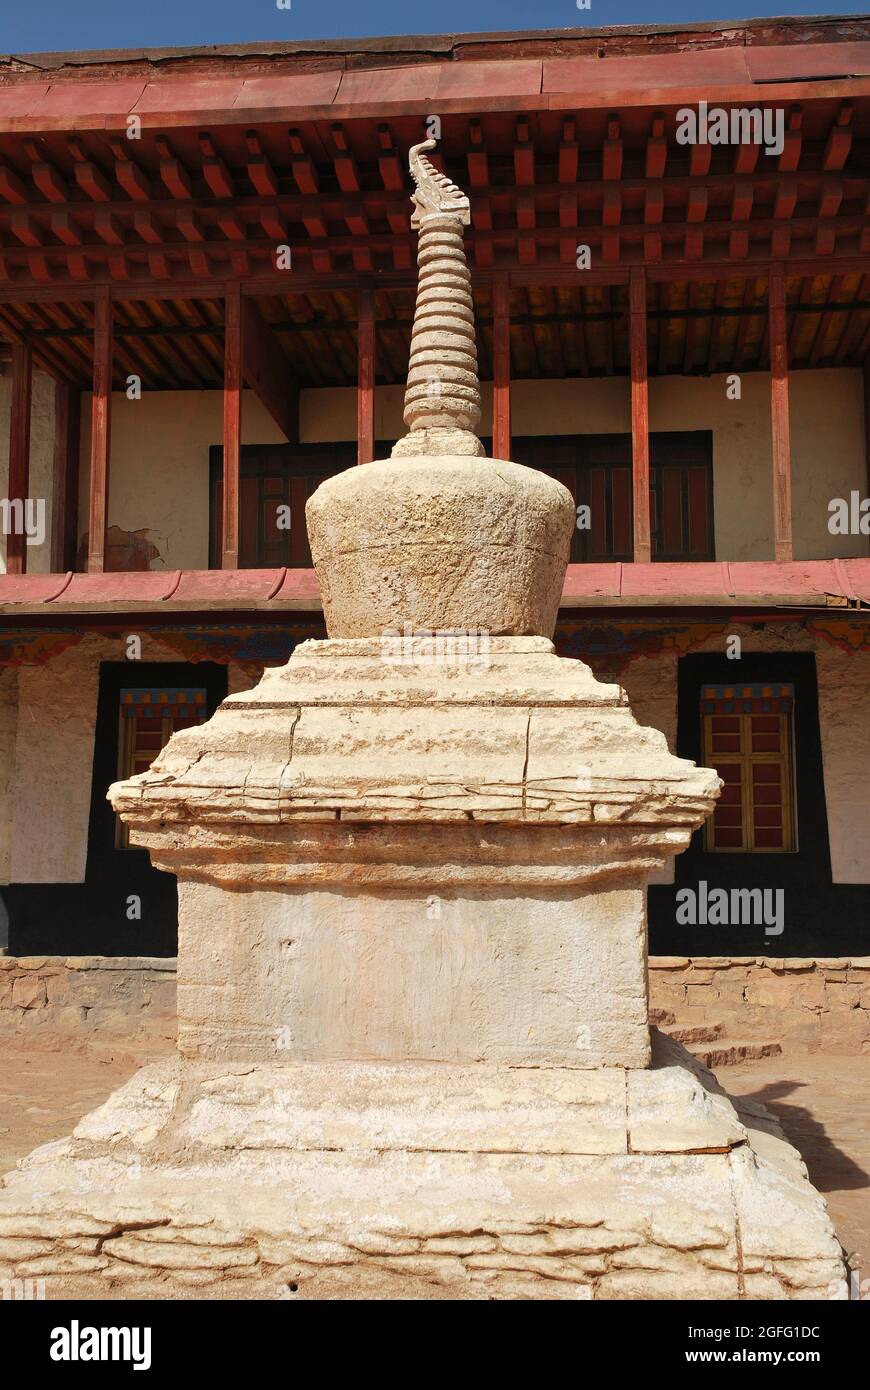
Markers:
<point>501,368</point>
<point>365,389</point>
<point>19,451</point>
<point>867,420</point>
<point>782,528</point>
<point>233,370</point>
<point>639,417</point>
<point>67,422</point>
<point>101,432</point>
<point>268,372</point>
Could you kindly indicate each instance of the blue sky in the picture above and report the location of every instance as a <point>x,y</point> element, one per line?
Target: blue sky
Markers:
<point>78,24</point>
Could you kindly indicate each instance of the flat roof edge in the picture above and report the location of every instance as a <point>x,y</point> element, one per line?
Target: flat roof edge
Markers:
<point>413,43</point>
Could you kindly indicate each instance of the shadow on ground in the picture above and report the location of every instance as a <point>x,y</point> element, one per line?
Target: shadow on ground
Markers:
<point>830,1169</point>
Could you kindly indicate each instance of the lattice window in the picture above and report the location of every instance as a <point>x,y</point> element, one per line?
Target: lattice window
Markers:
<point>149,716</point>
<point>748,738</point>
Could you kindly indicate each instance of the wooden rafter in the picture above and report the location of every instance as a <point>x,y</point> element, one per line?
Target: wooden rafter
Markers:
<point>102,210</point>
<point>267,371</point>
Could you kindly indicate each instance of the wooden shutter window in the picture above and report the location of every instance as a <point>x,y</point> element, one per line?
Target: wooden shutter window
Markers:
<point>149,716</point>
<point>748,738</point>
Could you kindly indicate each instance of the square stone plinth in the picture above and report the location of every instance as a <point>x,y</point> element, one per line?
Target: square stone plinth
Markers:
<point>525,978</point>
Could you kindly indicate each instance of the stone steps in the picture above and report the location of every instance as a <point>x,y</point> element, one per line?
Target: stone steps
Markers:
<point>730,1053</point>
<point>691,1033</point>
<point>662,1018</point>
<point>706,1041</point>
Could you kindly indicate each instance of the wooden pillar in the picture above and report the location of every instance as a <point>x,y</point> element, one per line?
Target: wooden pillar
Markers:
<point>639,416</point>
<point>19,455</point>
<point>782,536</point>
<point>65,505</point>
<point>232,426</point>
<point>867,423</point>
<point>501,368</point>
<point>101,433</point>
<point>365,386</point>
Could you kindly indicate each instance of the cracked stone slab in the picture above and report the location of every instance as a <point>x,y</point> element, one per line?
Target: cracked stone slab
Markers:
<point>670,1111</point>
<point>416,1181</point>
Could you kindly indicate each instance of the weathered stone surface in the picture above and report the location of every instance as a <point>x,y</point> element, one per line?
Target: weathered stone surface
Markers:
<point>443,392</point>
<point>457,883</point>
<point>353,1180</point>
<point>670,1111</point>
<point>371,1106</point>
<point>801,1004</point>
<point>519,738</point>
<point>28,992</point>
<point>123,996</point>
<point>440,543</point>
<point>546,977</point>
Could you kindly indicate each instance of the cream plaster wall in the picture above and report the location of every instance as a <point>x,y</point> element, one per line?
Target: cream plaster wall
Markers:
<point>159,467</point>
<point>571,406</point>
<point>844,694</point>
<point>47,748</point>
<point>826,410</point>
<point>159,472</point>
<point>54,749</point>
<point>41,462</point>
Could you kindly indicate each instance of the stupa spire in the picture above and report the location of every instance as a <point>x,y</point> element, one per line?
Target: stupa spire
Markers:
<point>442,399</point>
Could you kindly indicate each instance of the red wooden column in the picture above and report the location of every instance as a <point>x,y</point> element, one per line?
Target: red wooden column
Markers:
<point>101,433</point>
<point>501,368</point>
<point>782,536</point>
<point>639,416</point>
<point>19,452</point>
<point>867,421</point>
<point>365,385</point>
<point>233,368</point>
<point>67,423</point>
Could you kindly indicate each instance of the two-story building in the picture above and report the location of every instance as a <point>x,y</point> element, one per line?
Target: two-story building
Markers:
<point>207,281</point>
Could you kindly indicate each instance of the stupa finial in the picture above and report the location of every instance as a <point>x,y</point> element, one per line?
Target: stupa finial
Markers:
<point>433,191</point>
<point>442,399</point>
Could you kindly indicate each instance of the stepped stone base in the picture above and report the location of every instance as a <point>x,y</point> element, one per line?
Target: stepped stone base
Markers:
<point>403,1180</point>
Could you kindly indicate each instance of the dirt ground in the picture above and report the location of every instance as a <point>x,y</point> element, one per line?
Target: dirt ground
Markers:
<point>48,1083</point>
<point>822,1103</point>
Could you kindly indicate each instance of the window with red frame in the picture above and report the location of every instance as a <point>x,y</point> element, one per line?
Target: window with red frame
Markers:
<point>149,716</point>
<point>748,738</point>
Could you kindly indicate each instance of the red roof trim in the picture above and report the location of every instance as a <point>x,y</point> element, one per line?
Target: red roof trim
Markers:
<point>815,69</point>
<point>808,583</point>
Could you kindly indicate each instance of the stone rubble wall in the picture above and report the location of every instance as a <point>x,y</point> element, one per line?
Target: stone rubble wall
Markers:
<point>806,1004</point>
<point>125,996</point>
